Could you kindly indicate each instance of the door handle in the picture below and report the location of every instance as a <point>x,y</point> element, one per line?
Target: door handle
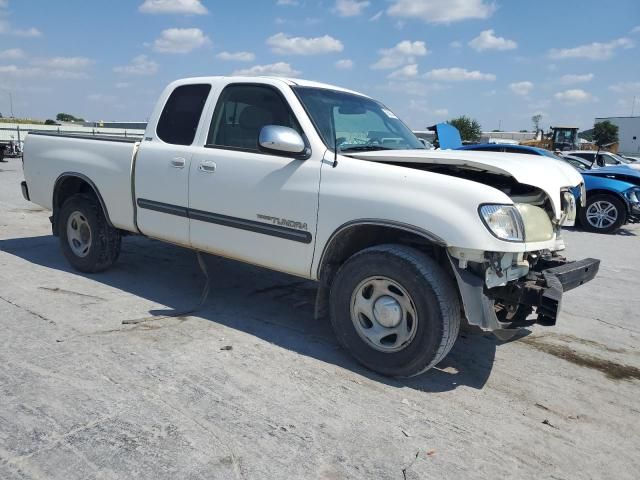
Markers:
<point>208,166</point>
<point>178,162</point>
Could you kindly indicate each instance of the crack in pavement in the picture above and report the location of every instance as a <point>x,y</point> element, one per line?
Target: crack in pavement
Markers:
<point>28,310</point>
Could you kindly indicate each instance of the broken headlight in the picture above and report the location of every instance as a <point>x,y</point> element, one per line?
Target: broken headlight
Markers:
<point>569,206</point>
<point>503,221</point>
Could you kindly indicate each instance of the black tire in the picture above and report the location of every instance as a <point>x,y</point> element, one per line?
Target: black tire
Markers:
<point>432,291</point>
<point>104,243</point>
<point>620,208</point>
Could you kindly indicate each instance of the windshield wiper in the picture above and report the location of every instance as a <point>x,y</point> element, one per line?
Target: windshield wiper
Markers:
<point>364,148</point>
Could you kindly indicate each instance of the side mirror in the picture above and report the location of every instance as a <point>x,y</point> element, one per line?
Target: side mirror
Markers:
<point>281,139</point>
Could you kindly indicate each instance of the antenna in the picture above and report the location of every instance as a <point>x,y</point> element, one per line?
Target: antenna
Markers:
<point>335,141</point>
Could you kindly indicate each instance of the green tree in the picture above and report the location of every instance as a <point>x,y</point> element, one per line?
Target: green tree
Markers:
<point>67,117</point>
<point>469,128</point>
<point>48,121</point>
<point>536,122</point>
<point>604,134</point>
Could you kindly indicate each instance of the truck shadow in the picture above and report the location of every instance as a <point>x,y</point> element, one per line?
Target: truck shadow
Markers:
<point>275,307</point>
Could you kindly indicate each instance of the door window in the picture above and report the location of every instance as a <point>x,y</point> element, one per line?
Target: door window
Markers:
<point>181,114</point>
<point>241,113</point>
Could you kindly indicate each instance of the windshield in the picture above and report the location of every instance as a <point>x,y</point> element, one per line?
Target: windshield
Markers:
<point>575,163</point>
<point>619,158</point>
<point>355,123</point>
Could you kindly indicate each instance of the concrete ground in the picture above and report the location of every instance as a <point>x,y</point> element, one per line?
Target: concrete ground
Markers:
<point>252,387</point>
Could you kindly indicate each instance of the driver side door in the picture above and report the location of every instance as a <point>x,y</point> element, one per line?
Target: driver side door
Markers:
<point>248,204</point>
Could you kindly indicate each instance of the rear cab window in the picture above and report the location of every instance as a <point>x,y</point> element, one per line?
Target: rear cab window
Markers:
<point>181,114</point>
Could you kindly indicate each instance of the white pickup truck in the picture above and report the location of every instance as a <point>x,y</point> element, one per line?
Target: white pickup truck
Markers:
<point>326,184</point>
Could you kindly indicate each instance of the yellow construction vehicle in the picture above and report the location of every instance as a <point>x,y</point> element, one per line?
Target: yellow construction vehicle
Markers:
<point>563,139</point>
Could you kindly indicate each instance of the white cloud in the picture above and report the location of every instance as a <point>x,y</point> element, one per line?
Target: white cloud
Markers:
<point>592,51</point>
<point>408,71</point>
<point>441,11</point>
<point>4,3</point>
<point>441,112</point>
<point>571,78</point>
<point>140,65</point>
<point>403,52</point>
<point>418,88</point>
<point>123,85</point>
<point>350,8</point>
<point>237,56</point>
<point>635,29</point>
<point>457,74</point>
<point>456,44</point>
<point>11,54</point>
<point>180,40</point>
<point>488,41</point>
<point>575,95</point>
<point>37,71</point>
<point>71,63</point>
<point>279,69</point>
<point>7,29</point>
<point>19,72</point>
<point>376,17</point>
<point>283,44</point>
<point>186,7</point>
<point>344,64</point>
<point>67,74</point>
<point>625,87</point>
<point>101,98</point>
<point>521,88</point>
<point>287,3</point>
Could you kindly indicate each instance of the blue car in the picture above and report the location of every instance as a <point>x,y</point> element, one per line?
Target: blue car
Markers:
<point>509,148</point>
<point>613,193</point>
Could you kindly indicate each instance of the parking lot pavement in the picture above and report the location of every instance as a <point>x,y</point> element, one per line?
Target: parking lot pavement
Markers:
<point>250,386</point>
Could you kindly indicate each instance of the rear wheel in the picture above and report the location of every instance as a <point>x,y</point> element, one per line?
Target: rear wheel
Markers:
<point>603,214</point>
<point>395,309</point>
<point>87,241</point>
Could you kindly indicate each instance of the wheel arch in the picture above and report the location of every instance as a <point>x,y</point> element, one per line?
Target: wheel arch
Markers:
<point>71,183</point>
<point>358,235</point>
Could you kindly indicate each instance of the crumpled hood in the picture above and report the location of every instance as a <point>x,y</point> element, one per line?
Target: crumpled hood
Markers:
<point>546,173</point>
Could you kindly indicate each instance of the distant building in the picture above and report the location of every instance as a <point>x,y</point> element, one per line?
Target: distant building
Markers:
<point>628,133</point>
<point>506,137</point>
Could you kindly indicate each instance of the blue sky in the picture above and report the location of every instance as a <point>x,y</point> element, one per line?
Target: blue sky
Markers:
<point>498,61</point>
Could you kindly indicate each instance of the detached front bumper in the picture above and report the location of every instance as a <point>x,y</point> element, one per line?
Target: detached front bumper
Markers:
<point>503,309</point>
<point>545,284</point>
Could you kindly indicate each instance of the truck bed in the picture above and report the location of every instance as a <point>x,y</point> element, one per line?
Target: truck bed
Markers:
<point>105,160</point>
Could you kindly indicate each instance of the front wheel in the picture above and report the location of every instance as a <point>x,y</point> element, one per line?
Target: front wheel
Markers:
<point>88,242</point>
<point>603,214</point>
<point>395,309</point>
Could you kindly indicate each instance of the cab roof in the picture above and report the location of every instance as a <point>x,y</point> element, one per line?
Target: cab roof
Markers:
<point>287,80</point>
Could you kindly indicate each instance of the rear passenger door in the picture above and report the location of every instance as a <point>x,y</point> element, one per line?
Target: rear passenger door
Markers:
<point>245,203</point>
<point>162,166</point>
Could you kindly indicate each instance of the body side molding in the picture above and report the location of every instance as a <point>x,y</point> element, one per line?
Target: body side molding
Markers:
<point>227,221</point>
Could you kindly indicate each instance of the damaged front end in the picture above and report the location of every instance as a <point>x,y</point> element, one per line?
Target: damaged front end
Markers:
<point>500,291</point>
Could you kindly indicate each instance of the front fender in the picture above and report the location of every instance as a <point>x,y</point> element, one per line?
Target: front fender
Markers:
<point>442,206</point>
